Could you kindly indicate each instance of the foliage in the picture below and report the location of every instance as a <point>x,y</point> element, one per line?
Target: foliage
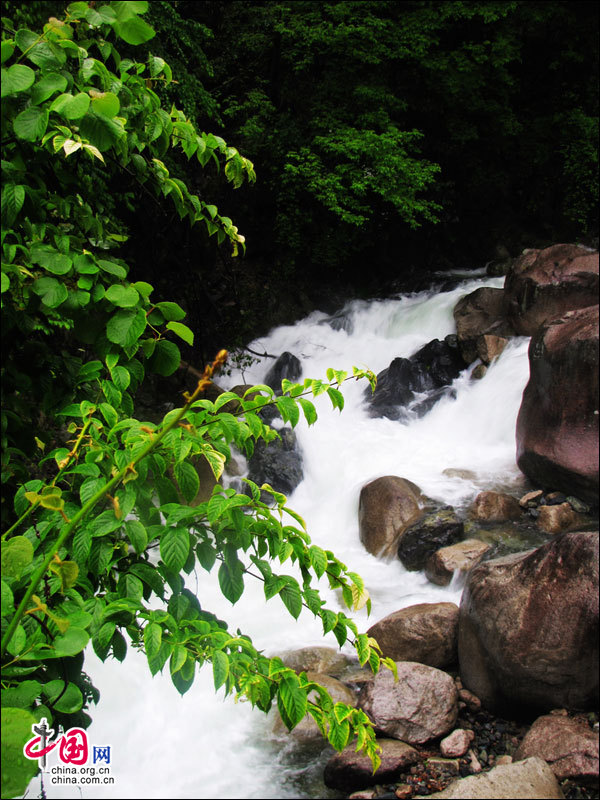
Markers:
<point>102,519</point>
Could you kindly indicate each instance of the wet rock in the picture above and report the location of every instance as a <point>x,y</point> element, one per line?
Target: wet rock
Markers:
<point>426,633</point>
<point>479,372</point>
<point>341,321</point>
<point>433,367</point>
<point>558,518</point>
<point>557,425</point>
<point>278,463</point>
<point>577,505</point>
<point>463,556</point>
<point>528,627</point>
<point>387,506</point>
<point>326,660</point>
<point>457,743</point>
<point>567,744</point>
<point>421,705</point>
<point>476,314</point>
<point>544,284</point>
<point>349,770</point>
<point>525,779</point>
<point>421,539</point>
<point>286,366</point>
<point>495,507</point>
<point>490,347</point>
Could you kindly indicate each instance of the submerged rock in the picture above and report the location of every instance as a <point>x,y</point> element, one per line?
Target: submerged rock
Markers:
<point>423,538</point>
<point>462,556</point>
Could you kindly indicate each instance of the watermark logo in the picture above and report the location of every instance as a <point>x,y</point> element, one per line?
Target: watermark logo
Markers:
<point>73,752</point>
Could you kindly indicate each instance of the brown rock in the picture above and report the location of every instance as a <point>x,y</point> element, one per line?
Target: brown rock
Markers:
<point>479,372</point>
<point>505,759</point>
<point>387,507</point>
<point>531,499</point>
<point>403,791</point>
<point>557,426</point>
<point>525,779</point>
<point>426,633</point>
<point>449,766</point>
<point>350,770</point>
<point>568,745</point>
<point>489,347</point>
<point>457,743</point>
<point>495,507</point>
<point>471,701</point>
<point>528,626</point>
<point>463,556</point>
<point>556,519</point>
<point>477,314</point>
<point>421,705</point>
<point>544,284</point>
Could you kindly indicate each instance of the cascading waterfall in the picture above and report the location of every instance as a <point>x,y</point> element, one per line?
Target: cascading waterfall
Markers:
<point>205,746</point>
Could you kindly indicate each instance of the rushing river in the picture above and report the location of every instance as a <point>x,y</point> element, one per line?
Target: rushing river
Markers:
<point>205,746</point>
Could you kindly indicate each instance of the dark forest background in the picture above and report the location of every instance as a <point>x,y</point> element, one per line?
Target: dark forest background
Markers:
<point>389,139</point>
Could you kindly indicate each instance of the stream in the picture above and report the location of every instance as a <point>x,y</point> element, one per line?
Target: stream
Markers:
<point>204,745</point>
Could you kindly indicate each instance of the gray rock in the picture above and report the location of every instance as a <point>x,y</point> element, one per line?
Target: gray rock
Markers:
<point>421,539</point>
<point>421,705</point>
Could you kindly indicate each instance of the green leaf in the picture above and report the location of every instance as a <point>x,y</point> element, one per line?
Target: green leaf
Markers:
<point>187,480</point>
<point>165,359</point>
<point>71,642</point>
<point>126,326</point>
<point>112,268</point>
<point>101,641</point>
<point>309,410</point>
<point>150,577</point>
<point>336,397</point>
<point>76,107</point>
<point>82,543</point>
<point>184,677</point>
<point>7,600</point>
<point>231,581</point>
<point>52,291</point>
<point>288,409</point>
<point>17,554</point>
<point>68,701</point>
<point>13,197</point>
<point>220,664</point>
<point>136,533</point>
<point>17,771</point>
<point>8,48</point>
<point>292,598</point>
<point>152,640</point>
<point>106,103</point>
<point>207,555</point>
<point>17,78</point>
<point>45,88</point>
<point>122,296</point>
<point>134,30</point>
<point>291,701</point>
<point>318,559</point>
<point>100,131</point>
<point>182,331</point>
<point>31,123</point>
<point>178,658</point>
<point>174,548</point>
<point>51,259</point>
<point>170,311</point>
<point>339,734</point>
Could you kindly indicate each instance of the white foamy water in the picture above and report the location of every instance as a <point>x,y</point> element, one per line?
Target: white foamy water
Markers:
<point>202,746</point>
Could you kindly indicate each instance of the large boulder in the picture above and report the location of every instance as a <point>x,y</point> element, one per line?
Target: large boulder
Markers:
<point>528,627</point>
<point>544,284</point>
<point>350,770</point>
<point>525,779</point>
<point>557,426</point>
<point>568,745</point>
<point>387,506</point>
<point>421,705</point>
<point>477,314</point>
<point>421,539</point>
<point>426,633</point>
